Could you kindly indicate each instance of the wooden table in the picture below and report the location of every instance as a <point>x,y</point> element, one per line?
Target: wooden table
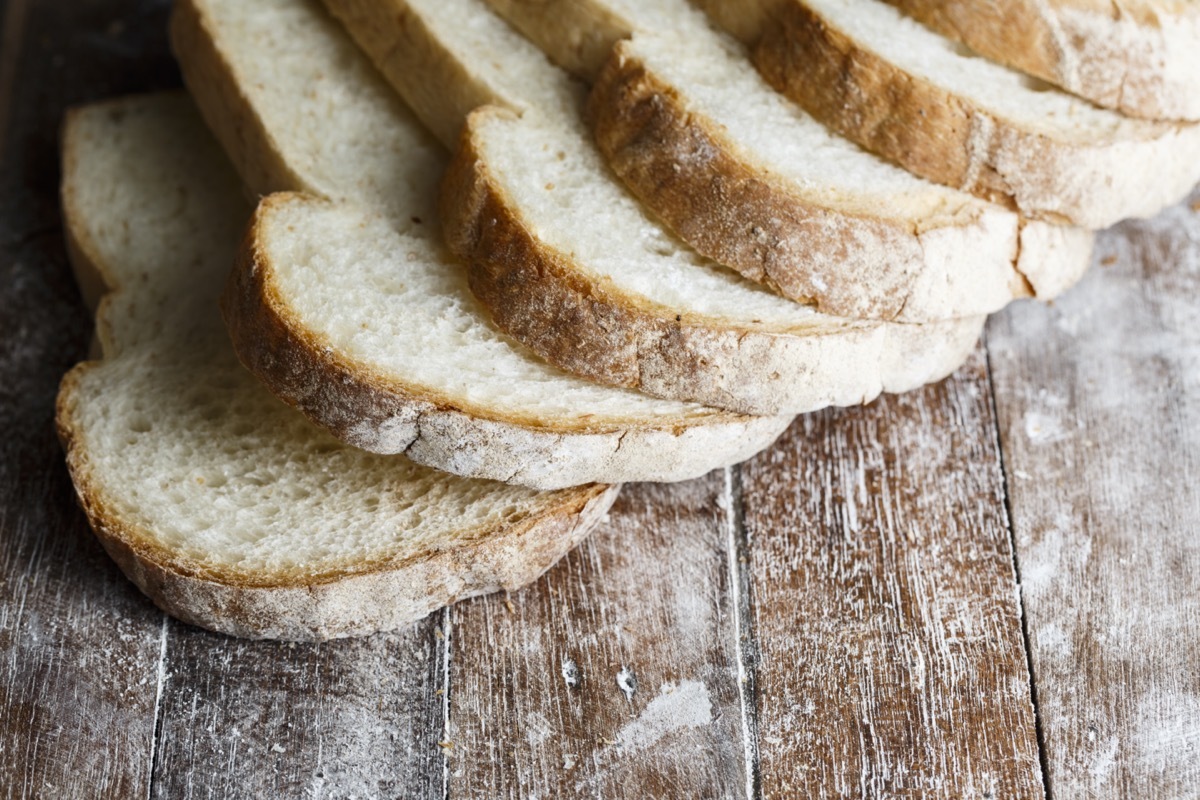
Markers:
<point>989,588</point>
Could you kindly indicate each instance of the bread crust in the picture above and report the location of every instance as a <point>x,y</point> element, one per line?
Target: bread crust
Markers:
<point>381,413</point>
<point>591,328</point>
<point>368,597</point>
<point>944,137</point>
<point>1119,60</point>
<point>851,264</point>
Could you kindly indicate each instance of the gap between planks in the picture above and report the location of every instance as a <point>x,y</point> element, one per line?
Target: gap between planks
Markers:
<point>743,625</point>
<point>1016,565</point>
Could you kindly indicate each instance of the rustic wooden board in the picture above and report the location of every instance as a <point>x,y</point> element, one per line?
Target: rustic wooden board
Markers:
<point>1098,400</point>
<point>884,604</point>
<point>617,675</point>
<point>79,647</point>
<point>352,718</point>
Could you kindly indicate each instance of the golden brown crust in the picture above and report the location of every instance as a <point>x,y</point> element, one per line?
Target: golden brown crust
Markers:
<point>591,328</point>
<point>870,101</point>
<point>1117,60</point>
<point>683,168</point>
<point>1075,179</point>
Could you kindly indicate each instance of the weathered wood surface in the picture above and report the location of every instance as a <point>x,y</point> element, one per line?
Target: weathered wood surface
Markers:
<point>351,718</point>
<point>79,647</point>
<point>617,675</point>
<point>884,604</point>
<point>1098,401</point>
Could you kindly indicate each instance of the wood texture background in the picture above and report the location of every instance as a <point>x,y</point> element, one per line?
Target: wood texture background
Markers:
<point>988,588</point>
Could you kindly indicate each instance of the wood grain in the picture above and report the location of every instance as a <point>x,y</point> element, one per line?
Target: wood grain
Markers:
<point>350,718</point>
<point>1098,400</point>
<point>79,647</point>
<point>884,604</point>
<point>615,676</point>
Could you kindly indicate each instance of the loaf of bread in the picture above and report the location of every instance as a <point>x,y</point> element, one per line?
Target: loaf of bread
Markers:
<point>753,182</point>
<point>530,205</point>
<point>499,287</point>
<point>223,505</point>
<point>346,304</point>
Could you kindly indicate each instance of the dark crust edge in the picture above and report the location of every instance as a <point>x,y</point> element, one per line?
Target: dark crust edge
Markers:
<point>680,166</point>
<point>1014,34</point>
<point>865,98</point>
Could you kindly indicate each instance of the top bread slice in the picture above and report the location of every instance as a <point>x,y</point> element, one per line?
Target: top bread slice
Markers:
<point>223,505</point>
<point>1141,57</point>
<point>347,304</point>
<point>905,92</point>
<point>573,266</point>
<point>756,184</point>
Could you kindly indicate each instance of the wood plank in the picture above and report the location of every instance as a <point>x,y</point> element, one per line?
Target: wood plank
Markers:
<point>1098,400</point>
<point>617,674</point>
<point>884,604</point>
<point>79,646</point>
<point>349,718</point>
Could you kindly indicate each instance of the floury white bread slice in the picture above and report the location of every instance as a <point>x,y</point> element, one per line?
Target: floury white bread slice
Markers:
<point>909,94</point>
<point>350,308</point>
<point>223,505</point>
<point>568,262</point>
<point>571,264</point>
<point>1141,57</point>
<point>753,182</point>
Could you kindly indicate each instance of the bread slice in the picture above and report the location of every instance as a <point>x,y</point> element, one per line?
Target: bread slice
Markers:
<point>222,504</point>
<point>754,183</point>
<point>911,95</point>
<point>347,304</point>
<point>529,202</point>
<point>1141,57</point>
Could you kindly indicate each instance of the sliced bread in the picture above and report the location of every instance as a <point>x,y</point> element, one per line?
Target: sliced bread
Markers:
<point>913,96</point>
<point>753,182</point>
<point>569,262</point>
<point>346,303</point>
<point>1141,57</point>
<point>223,505</point>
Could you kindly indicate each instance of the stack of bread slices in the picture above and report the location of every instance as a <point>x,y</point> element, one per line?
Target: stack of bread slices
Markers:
<point>482,262</point>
